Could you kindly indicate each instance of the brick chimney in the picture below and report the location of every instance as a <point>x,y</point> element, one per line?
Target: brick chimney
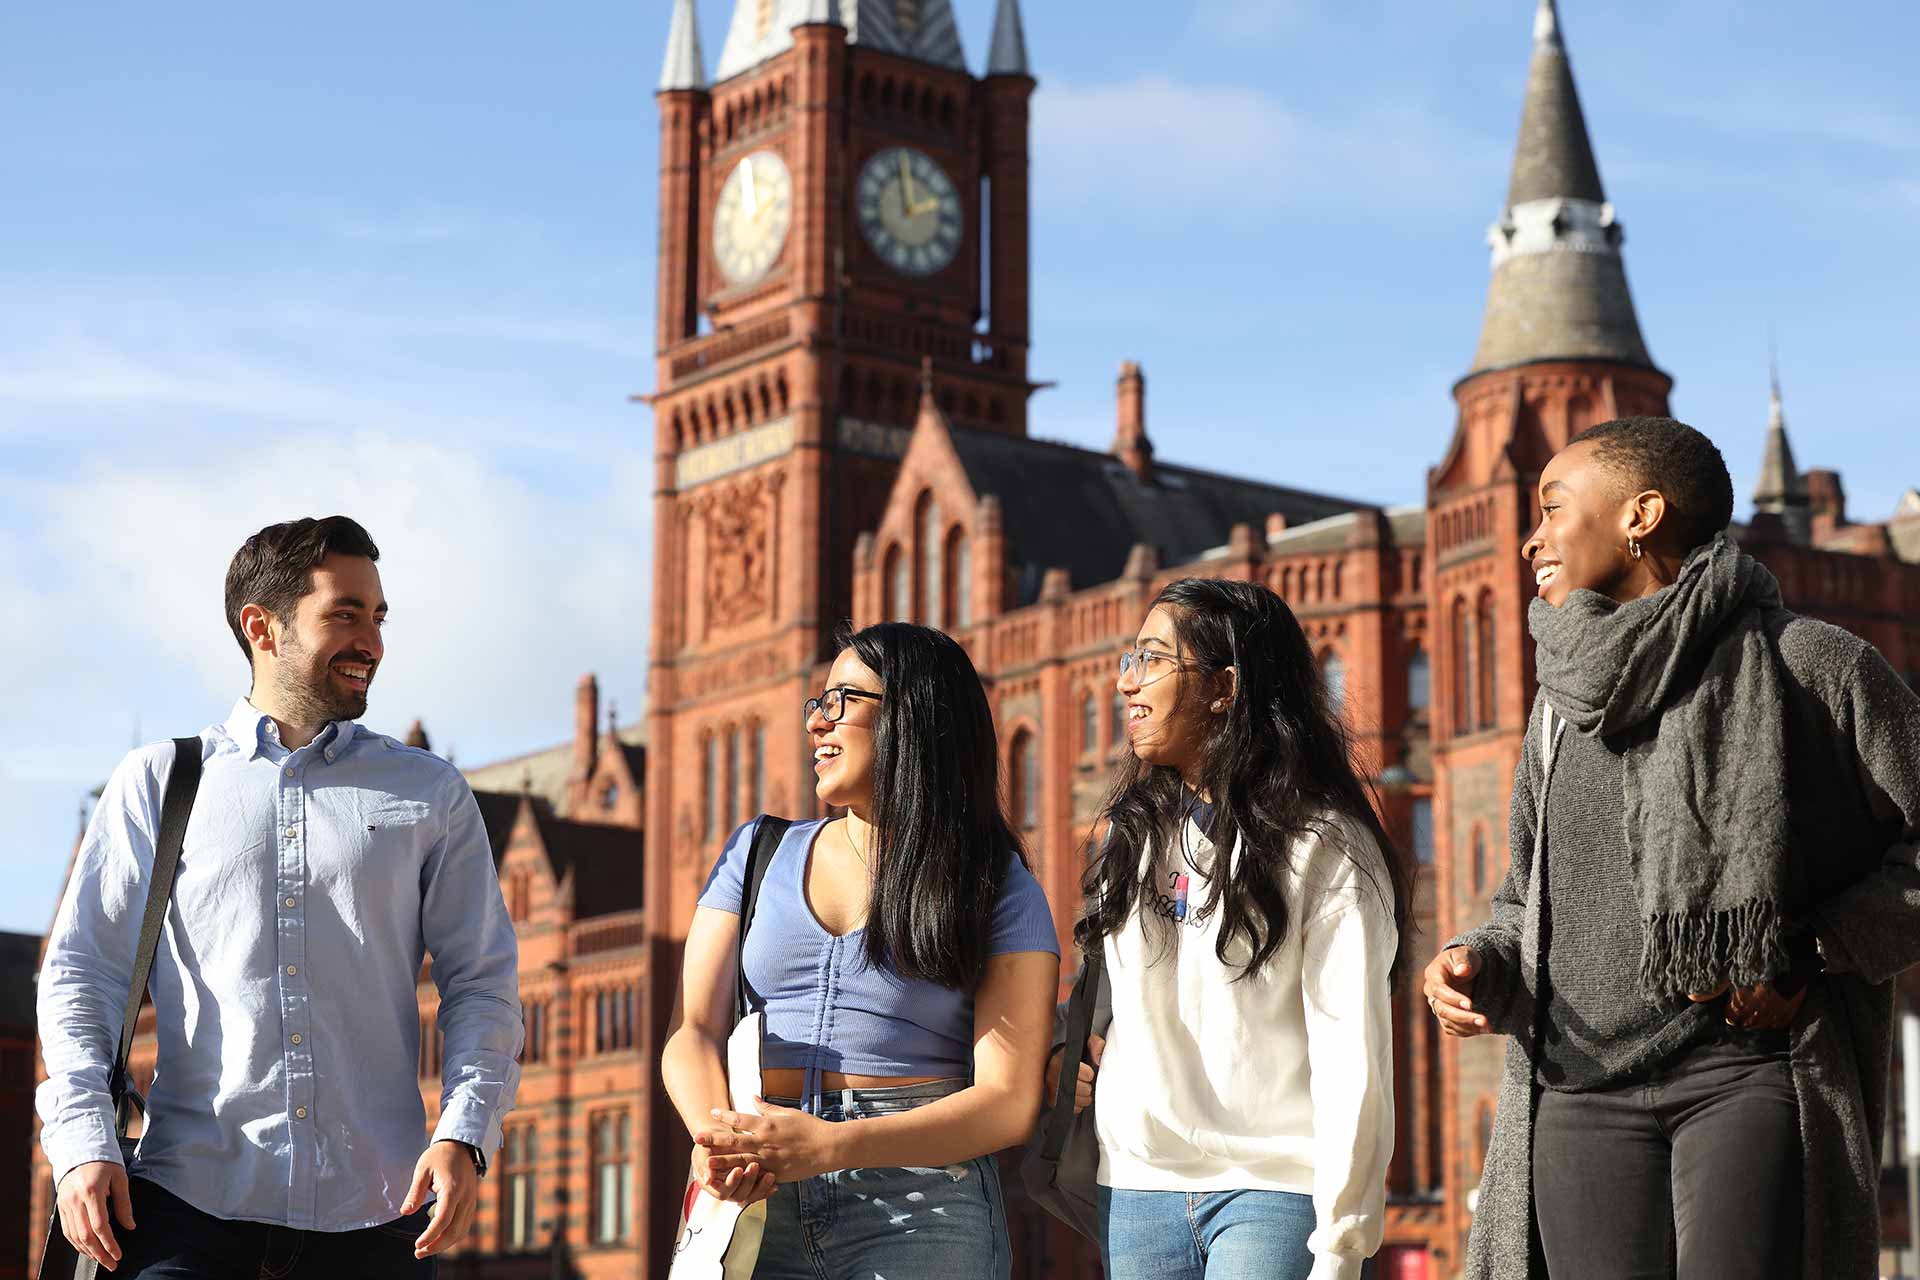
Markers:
<point>1827,500</point>
<point>586,727</point>
<point>1130,443</point>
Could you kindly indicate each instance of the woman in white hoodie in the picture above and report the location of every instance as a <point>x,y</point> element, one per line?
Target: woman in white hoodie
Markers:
<point>1249,906</point>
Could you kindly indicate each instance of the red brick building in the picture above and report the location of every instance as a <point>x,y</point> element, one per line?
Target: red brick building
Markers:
<point>841,432</point>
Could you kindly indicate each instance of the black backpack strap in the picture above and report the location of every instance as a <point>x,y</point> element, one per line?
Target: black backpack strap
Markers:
<point>1086,993</point>
<point>767,834</point>
<point>175,808</point>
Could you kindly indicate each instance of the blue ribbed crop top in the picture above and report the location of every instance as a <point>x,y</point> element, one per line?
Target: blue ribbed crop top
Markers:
<point>826,1008</point>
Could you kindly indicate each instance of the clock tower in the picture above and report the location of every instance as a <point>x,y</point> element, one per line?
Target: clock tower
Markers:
<point>843,206</point>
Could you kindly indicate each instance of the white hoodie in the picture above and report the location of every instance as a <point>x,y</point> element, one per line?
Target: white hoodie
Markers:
<point>1282,1081</point>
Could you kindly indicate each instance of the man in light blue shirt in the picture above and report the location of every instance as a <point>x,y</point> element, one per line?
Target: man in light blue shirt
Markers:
<point>323,862</point>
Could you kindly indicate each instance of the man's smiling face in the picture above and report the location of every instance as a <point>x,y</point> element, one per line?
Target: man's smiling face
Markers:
<point>329,650</point>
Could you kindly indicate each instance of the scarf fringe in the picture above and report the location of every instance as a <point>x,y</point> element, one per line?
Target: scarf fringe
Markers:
<point>1698,949</point>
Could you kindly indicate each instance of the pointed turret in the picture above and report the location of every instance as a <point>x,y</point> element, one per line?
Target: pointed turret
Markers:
<point>685,67</point>
<point>1559,287</point>
<point>1007,55</point>
<point>1781,490</point>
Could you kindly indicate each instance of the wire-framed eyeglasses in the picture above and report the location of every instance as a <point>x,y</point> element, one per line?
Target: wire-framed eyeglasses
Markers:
<point>1148,665</point>
<point>832,703</point>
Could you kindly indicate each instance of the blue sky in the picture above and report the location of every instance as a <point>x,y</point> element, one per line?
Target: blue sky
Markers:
<point>397,260</point>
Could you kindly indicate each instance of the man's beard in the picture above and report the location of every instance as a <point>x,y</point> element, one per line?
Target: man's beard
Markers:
<point>307,693</point>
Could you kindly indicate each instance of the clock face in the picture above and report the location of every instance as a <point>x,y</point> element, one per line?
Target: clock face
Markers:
<point>909,211</point>
<point>750,220</point>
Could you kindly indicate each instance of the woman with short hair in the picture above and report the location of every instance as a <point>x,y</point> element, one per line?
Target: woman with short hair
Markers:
<point>1715,876</point>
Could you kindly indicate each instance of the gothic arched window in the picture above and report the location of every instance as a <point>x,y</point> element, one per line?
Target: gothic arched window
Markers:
<point>894,585</point>
<point>957,575</point>
<point>926,535</point>
<point>1117,726</point>
<point>1333,678</point>
<point>1419,682</point>
<point>1485,660</point>
<point>1023,768</point>
<point>710,786</point>
<point>1462,707</point>
<point>1089,724</point>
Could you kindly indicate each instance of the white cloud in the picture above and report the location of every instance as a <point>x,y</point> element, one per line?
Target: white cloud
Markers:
<point>1237,153</point>
<point>502,594</point>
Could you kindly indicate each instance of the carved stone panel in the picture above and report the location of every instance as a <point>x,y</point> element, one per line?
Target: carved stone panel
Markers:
<point>739,554</point>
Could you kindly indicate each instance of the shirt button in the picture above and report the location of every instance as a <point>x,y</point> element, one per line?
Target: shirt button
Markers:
<point>300,1112</point>
<point>296,1037</point>
<point>292,832</point>
<point>292,969</point>
<point>289,771</point>
<point>289,902</point>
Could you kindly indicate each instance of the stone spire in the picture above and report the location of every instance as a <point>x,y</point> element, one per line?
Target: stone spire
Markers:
<point>1781,490</point>
<point>685,67</point>
<point>1559,287</point>
<point>1008,54</point>
<point>921,29</point>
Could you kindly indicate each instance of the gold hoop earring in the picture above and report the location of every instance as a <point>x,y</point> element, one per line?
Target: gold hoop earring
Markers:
<point>1633,546</point>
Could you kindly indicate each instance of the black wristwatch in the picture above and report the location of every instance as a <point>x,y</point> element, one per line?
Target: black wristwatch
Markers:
<point>479,1158</point>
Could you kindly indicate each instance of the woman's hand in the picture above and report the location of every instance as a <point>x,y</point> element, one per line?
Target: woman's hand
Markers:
<point>742,1180</point>
<point>1756,1008</point>
<point>1448,986</point>
<point>1083,1088</point>
<point>789,1145</point>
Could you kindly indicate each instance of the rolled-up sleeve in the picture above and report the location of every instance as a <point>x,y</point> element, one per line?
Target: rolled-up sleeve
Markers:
<point>476,966</point>
<point>1348,954</point>
<point>88,967</point>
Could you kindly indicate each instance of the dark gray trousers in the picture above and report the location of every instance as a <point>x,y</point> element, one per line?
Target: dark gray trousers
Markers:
<point>1691,1172</point>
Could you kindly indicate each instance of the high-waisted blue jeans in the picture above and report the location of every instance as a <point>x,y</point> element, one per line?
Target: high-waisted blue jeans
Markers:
<point>1206,1235</point>
<point>888,1224</point>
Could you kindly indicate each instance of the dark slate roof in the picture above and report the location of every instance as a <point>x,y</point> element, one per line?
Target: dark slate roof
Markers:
<point>609,871</point>
<point>547,770</point>
<point>1554,156</point>
<point>1070,508</point>
<point>607,862</point>
<point>497,812</point>
<point>19,962</point>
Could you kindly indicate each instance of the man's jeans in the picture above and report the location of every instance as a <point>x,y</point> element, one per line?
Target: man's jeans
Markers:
<point>175,1241</point>
<point>1693,1171</point>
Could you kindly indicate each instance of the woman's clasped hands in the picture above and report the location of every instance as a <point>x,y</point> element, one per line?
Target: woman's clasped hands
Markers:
<point>781,1144</point>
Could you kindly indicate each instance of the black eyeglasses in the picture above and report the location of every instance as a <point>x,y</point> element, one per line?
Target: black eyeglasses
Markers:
<point>832,703</point>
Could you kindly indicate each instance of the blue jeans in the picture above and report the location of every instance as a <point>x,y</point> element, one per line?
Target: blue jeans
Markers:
<point>1205,1235</point>
<point>888,1224</point>
<point>176,1241</point>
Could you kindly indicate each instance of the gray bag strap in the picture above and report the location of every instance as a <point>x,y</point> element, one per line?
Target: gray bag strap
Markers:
<point>176,806</point>
<point>1086,992</point>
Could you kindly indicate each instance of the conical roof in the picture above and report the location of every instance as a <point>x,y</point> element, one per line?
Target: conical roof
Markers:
<point>685,67</point>
<point>1781,485</point>
<point>1008,54</point>
<point>1554,156</point>
<point>1559,287</point>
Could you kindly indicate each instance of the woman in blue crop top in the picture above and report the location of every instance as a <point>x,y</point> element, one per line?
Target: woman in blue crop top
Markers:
<point>906,962</point>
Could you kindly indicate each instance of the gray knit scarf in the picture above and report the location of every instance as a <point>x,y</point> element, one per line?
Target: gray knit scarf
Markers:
<point>1687,681</point>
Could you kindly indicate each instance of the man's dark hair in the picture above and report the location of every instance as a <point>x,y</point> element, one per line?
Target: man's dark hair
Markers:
<point>1685,466</point>
<point>274,568</point>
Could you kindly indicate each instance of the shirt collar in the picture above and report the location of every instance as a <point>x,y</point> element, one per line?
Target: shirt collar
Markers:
<point>251,729</point>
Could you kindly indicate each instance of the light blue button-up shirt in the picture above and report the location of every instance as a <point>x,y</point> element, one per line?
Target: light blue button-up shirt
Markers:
<point>312,885</point>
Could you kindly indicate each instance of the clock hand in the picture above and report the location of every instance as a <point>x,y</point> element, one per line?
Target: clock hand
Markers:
<point>753,199</point>
<point>908,205</point>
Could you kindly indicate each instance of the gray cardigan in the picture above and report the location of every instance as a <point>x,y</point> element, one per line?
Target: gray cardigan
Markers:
<point>1853,748</point>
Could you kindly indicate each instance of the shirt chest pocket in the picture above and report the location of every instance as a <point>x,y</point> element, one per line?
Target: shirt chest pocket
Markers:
<point>379,847</point>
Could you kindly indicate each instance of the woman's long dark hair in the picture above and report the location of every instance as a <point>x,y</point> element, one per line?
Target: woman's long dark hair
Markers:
<point>941,840</point>
<point>1278,764</point>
